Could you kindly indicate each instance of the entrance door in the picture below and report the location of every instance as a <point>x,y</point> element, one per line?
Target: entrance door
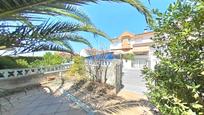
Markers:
<point>139,63</point>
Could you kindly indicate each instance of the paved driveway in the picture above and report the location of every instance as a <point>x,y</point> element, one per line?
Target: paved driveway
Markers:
<point>133,81</point>
<point>38,102</point>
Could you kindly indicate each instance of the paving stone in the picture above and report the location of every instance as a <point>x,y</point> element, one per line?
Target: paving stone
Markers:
<point>39,110</point>
<point>63,107</point>
<point>51,109</point>
<point>40,103</point>
<point>72,112</point>
<point>24,111</point>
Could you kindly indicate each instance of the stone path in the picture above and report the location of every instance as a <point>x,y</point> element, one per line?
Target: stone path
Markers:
<point>38,102</point>
<point>133,81</point>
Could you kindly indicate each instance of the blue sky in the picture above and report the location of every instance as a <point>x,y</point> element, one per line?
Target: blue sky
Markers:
<point>116,18</point>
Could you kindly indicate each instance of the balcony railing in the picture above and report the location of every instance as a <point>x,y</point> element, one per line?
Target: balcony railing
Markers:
<point>16,73</point>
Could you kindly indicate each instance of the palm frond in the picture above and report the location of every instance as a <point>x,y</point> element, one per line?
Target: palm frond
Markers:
<point>44,46</point>
<point>52,28</point>
<point>70,37</point>
<point>47,36</point>
<point>54,35</point>
<point>12,7</point>
<point>59,9</point>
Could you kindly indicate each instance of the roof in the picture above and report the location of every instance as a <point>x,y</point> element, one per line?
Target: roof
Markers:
<point>129,35</point>
<point>92,51</point>
<point>107,55</point>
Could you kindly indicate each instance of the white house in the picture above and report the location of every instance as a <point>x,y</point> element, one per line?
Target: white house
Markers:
<point>137,44</point>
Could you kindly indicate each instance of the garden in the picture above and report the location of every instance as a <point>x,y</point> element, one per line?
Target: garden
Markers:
<point>175,85</point>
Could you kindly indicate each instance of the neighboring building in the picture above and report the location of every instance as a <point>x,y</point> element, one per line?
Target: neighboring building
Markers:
<point>94,54</point>
<point>139,45</point>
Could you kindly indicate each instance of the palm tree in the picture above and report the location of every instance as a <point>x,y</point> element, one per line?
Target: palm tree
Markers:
<point>54,35</point>
<point>17,9</point>
<point>47,36</point>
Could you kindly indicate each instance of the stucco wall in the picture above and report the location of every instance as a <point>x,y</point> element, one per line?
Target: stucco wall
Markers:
<point>106,73</point>
<point>153,59</point>
<point>127,64</point>
<point>27,81</point>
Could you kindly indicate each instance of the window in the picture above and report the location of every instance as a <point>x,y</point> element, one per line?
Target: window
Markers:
<point>126,40</point>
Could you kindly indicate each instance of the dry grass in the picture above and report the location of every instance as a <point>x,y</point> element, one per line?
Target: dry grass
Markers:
<point>101,97</point>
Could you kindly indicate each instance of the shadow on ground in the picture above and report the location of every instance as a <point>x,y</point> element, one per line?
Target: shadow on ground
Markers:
<point>100,97</point>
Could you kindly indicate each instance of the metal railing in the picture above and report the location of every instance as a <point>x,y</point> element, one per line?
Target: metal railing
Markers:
<point>98,62</point>
<point>16,73</point>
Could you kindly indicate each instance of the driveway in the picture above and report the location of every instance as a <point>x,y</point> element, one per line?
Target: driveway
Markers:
<point>133,81</point>
<point>39,102</point>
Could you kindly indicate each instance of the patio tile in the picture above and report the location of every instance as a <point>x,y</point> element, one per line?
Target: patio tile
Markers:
<point>51,109</point>
<point>63,107</point>
<point>9,112</point>
<point>39,110</point>
<point>72,112</point>
<point>37,102</point>
<point>23,111</point>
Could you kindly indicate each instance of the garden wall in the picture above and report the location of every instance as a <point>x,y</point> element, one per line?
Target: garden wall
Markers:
<point>18,78</point>
<point>31,80</point>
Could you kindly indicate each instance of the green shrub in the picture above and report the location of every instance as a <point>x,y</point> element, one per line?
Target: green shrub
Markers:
<point>128,56</point>
<point>176,86</point>
<point>7,63</point>
<point>49,59</point>
<point>37,63</point>
<point>28,59</point>
<point>53,59</point>
<point>78,67</point>
<point>22,63</point>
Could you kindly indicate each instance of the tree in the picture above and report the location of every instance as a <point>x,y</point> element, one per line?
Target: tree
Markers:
<point>128,56</point>
<point>18,9</point>
<point>50,35</point>
<point>47,36</point>
<point>176,86</point>
<point>31,38</point>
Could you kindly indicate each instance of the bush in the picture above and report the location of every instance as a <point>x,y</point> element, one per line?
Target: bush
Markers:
<point>176,86</point>
<point>7,63</point>
<point>78,67</point>
<point>22,63</point>
<point>49,59</point>
<point>128,56</point>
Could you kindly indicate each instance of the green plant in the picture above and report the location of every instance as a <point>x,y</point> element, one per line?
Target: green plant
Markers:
<point>49,59</point>
<point>14,9</point>
<point>37,63</point>
<point>176,85</point>
<point>22,63</point>
<point>128,56</point>
<point>78,67</point>
<point>7,63</point>
<point>49,35</point>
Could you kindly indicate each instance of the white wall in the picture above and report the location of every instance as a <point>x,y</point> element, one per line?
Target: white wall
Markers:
<point>116,45</point>
<point>127,64</point>
<point>153,59</point>
<point>141,40</point>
